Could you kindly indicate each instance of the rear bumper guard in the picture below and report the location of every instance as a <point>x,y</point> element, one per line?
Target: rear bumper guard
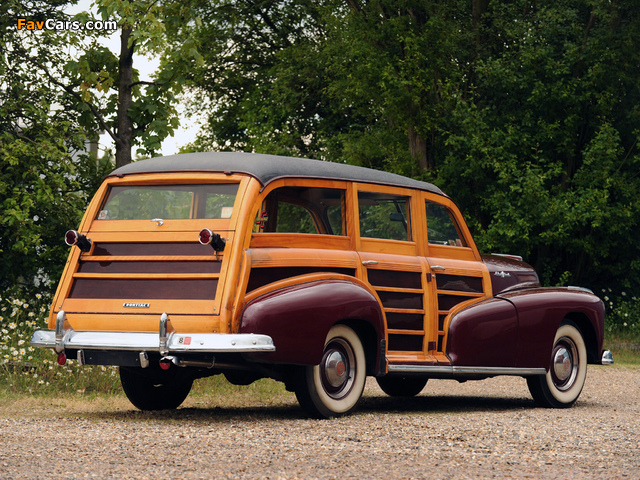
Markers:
<point>167,344</point>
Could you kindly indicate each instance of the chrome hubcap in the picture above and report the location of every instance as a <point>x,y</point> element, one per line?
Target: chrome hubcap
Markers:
<point>564,368</point>
<point>337,368</point>
<point>562,364</point>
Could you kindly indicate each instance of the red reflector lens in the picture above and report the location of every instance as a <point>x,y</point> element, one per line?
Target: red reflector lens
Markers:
<point>71,238</point>
<point>205,236</point>
<point>62,358</point>
<point>165,365</point>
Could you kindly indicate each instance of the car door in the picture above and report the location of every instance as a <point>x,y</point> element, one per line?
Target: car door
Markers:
<point>388,251</point>
<point>462,282</point>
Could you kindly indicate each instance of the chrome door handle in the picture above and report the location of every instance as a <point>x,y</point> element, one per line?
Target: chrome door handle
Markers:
<point>366,263</point>
<point>439,268</point>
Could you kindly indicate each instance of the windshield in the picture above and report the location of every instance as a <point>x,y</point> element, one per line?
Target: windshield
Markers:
<point>142,202</point>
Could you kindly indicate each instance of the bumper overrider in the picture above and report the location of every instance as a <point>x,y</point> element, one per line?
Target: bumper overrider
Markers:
<point>181,349</point>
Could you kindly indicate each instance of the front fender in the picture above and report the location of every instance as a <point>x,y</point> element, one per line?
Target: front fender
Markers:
<point>298,317</point>
<point>540,313</point>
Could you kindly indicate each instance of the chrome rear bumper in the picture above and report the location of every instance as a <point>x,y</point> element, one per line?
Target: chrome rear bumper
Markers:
<point>163,342</point>
<point>607,357</point>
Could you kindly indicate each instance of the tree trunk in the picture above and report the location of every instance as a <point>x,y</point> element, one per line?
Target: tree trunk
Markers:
<point>125,126</point>
<point>479,8</point>
<point>418,150</point>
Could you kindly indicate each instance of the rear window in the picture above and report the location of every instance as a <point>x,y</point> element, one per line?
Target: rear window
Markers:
<point>142,202</point>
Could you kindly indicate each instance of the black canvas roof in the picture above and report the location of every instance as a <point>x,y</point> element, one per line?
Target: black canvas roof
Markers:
<point>267,168</point>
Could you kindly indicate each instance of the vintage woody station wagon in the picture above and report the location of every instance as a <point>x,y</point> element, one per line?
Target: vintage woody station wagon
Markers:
<point>313,273</point>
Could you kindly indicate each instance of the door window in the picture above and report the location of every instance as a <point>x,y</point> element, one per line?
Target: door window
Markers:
<point>383,215</point>
<point>442,228</point>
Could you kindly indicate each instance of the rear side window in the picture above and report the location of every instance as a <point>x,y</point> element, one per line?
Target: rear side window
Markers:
<point>442,229</point>
<point>385,216</point>
<point>143,202</point>
<point>303,210</point>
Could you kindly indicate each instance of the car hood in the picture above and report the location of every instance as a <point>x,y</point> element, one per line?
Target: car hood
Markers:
<point>509,274</point>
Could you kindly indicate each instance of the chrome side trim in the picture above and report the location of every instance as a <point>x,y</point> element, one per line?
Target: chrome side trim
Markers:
<point>580,289</point>
<point>139,341</point>
<point>607,357</point>
<point>462,371</point>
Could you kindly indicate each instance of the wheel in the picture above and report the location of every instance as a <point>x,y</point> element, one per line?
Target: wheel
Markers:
<point>154,389</point>
<point>401,386</point>
<point>334,387</point>
<point>561,386</point>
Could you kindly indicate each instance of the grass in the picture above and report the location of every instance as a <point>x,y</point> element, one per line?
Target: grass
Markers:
<point>626,351</point>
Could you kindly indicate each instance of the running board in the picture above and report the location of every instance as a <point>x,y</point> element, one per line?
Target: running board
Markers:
<point>455,371</point>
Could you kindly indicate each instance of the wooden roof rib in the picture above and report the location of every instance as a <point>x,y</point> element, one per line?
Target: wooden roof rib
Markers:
<point>267,168</point>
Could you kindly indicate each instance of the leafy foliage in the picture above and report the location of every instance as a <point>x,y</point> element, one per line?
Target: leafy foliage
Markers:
<point>58,89</point>
<point>527,111</point>
<point>40,193</point>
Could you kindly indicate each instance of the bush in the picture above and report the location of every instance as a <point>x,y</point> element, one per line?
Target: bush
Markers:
<point>24,369</point>
<point>622,316</point>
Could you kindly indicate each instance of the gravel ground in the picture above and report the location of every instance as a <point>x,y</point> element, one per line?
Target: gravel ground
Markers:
<point>486,429</point>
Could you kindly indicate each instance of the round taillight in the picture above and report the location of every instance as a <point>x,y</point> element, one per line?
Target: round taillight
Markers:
<point>71,238</point>
<point>62,358</point>
<point>165,364</point>
<point>205,237</point>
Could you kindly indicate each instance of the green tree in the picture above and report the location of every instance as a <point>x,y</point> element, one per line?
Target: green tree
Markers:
<point>544,157</point>
<point>107,86</point>
<point>59,88</point>
<point>528,111</point>
<point>40,195</point>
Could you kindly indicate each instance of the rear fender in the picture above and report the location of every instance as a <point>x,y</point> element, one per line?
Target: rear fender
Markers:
<point>298,317</point>
<point>484,334</point>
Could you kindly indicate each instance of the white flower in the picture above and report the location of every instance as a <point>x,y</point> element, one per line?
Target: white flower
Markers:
<point>38,296</point>
<point>625,324</point>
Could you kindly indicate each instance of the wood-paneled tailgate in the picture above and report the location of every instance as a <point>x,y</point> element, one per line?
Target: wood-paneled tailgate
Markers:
<point>117,285</point>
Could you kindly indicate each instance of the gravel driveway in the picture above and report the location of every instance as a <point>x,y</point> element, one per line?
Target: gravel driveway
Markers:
<point>486,429</point>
